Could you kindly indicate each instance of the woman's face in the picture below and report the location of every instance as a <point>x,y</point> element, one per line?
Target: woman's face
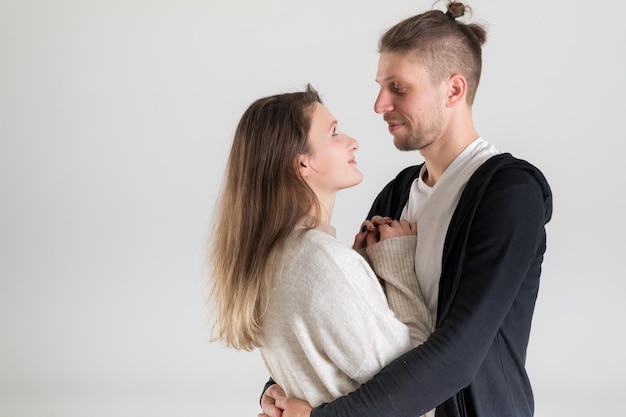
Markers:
<point>330,165</point>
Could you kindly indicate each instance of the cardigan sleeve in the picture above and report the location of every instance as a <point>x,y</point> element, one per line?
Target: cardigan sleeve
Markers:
<point>498,257</point>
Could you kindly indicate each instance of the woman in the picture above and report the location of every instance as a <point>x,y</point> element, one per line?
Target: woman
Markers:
<point>282,282</point>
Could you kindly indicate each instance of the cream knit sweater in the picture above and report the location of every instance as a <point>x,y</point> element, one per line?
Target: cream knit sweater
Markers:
<point>329,327</point>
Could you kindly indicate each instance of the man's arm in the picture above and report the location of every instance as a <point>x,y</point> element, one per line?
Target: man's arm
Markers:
<point>505,241</point>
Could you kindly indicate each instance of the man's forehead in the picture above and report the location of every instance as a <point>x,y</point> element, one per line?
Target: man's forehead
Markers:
<point>396,66</point>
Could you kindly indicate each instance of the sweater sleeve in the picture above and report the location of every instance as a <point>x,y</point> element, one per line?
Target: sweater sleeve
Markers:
<point>498,261</point>
<point>393,262</point>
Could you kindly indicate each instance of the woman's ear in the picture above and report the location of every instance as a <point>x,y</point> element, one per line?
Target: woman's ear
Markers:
<point>303,165</point>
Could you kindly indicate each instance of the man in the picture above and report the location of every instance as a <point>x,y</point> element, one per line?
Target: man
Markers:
<point>481,218</point>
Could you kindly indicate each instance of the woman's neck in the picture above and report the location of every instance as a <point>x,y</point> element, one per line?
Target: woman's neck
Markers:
<point>321,225</point>
<point>327,228</point>
<point>323,217</point>
<point>326,208</point>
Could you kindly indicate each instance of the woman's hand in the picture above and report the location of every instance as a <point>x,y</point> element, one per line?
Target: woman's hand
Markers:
<point>369,234</point>
<point>381,228</point>
<point>397,229</point>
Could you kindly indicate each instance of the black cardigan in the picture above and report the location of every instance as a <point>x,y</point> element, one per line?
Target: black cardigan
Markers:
<point>473,365</point>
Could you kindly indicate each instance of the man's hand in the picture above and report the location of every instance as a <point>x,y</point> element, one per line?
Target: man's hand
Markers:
<point>276,404</point>
<point>293,407</point>
<point>268,401</point>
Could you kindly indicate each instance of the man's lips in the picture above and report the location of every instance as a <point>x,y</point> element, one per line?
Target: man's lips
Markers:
<point>394,125</point>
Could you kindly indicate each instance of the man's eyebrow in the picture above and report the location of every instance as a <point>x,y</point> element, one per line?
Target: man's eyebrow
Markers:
<point>391,77</point>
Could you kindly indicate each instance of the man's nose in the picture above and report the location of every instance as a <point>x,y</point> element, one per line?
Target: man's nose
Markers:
<point>382,104</point>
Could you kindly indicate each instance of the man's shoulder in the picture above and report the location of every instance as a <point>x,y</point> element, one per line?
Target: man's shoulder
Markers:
<point>505,164</point>
<point>503,171</point>
<point>409,173</point>
<point>394,195</point>
<point>402,182</point>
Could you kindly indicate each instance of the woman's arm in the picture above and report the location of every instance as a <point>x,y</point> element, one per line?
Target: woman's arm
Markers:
<point>393,262</point>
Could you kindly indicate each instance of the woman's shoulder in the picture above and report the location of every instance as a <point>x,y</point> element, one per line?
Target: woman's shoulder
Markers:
<point>318,253</point>
<point>321,244</point>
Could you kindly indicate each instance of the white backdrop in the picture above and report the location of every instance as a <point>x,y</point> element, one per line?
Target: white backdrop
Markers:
<point>115,122</point>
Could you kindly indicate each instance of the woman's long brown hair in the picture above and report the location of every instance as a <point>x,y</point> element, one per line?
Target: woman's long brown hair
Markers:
<point>262,199</point>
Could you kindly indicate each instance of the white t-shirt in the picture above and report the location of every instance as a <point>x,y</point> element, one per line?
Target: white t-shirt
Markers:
<point>432,209</point>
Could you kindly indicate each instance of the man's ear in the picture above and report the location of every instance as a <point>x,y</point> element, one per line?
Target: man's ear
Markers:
<point>457,89</point>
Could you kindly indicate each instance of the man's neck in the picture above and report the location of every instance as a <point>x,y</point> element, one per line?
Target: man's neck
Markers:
<point>442,153</point>
<point>457,136</point>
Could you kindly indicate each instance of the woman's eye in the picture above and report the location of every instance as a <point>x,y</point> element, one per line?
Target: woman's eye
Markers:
<point>335,133</point>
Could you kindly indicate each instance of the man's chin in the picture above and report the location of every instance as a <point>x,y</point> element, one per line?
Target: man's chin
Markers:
<point>402,145</point>
<point>409,144</point>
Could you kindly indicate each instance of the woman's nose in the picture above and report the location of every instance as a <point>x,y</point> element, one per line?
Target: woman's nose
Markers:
<point>355,144</point>
<point>352,143</point>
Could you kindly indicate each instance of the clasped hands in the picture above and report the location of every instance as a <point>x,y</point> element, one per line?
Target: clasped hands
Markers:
<point>380,228</point>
